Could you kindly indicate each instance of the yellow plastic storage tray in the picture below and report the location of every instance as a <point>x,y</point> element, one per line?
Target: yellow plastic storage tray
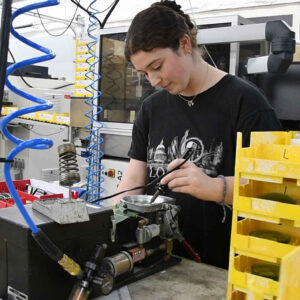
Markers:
<point>272,251</point>
<point>270,165</point>
<point>241,277</point>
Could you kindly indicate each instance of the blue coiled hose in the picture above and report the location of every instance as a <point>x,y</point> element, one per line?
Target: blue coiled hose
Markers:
<point>39,143</point>
<point>94,178</point>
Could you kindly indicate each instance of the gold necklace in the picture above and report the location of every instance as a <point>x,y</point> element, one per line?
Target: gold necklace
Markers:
<point>189,102</point>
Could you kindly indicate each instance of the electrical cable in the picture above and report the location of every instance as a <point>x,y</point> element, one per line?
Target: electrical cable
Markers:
<point>65,30</point>
<point>109,13</point>
<point>62,86</point>
<point>101,24</point>
<point>37,133</point>
<point>4,42</point>
<point>39,143</point>
<point>28,84</point>
<point>209,55</point>
<point>204,47</point>
<point>189,152</point>
<point>47,17</point>
<point>84,9</point>
<point>18,71</point>
<point>94,138</point>
<point>104,10</point>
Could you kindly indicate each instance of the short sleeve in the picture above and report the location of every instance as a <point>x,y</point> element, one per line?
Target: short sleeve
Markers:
<point>254,113</point>
<point>260,120</point>
<point>140,131</point>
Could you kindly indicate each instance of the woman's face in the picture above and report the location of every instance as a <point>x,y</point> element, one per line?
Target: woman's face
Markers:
<point>165,68</point>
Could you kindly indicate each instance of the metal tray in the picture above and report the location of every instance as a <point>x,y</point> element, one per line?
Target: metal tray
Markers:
<point>141,203</point>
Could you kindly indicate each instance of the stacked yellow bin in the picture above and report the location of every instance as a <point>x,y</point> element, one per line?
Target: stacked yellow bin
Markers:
<point>270,165</point>
<point>82,56</point>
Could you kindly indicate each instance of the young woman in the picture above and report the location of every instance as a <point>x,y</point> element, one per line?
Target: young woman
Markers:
<point>197,104</point>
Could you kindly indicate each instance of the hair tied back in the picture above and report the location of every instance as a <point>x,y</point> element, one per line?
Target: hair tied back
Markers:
<point>171,4</point>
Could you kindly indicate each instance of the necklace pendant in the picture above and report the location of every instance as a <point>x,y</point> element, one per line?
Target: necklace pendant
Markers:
<point>190,103</point>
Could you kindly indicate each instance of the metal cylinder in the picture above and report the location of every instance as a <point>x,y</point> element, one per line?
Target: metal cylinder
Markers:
<point>68,167</point>
<point>80,291</point>
<point>119,264</point>
<point>147,233</point>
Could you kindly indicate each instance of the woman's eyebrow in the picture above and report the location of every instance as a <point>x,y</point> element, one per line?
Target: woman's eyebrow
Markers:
<point>152,62</point>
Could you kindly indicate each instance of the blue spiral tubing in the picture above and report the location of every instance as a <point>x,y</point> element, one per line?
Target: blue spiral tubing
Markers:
<point>94,178</point>
<point>39,143</point>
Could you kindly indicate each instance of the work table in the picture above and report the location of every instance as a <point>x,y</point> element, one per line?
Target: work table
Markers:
<point>185,281</point>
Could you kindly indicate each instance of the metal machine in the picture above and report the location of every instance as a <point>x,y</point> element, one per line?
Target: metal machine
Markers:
<point>145,249</point>
<point>102,249</point>
<point>113,249</point>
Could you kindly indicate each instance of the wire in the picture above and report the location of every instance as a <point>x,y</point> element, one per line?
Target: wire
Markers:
<point>109,13</point>
<point>18,71</point>
<point>210,57</point>
<point>100,12</point>
<point>37,133</point>
<point>186,157</point>
<point>204,47</point>
<point>111,7</point>
<point>88,12</point>
<point>47,17</point>
<point>60,87</point>
<point>29,85</point>
<point>60,34</point>
<point>192,10</point>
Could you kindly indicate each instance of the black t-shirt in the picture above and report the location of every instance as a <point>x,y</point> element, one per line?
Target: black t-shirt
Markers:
<point>166,124</point>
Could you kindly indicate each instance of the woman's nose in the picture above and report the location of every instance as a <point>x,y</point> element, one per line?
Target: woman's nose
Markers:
<point>154,79</point>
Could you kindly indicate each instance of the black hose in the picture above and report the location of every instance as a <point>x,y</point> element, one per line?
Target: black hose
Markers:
<point>109,13</point>
<point>4,42</point>
<point>187,154</point>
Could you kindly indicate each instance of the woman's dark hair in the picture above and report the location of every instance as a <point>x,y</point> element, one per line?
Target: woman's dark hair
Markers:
<point>159,26</point>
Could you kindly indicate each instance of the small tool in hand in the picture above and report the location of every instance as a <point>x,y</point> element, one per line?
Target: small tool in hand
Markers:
<point>163,187</point>
<point>160,190</point>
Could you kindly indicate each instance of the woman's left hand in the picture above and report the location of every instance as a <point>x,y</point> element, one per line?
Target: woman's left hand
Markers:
<point>189,179</point>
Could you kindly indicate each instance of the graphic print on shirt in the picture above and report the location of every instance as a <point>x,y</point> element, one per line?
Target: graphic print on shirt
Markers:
<point>208,160</point>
